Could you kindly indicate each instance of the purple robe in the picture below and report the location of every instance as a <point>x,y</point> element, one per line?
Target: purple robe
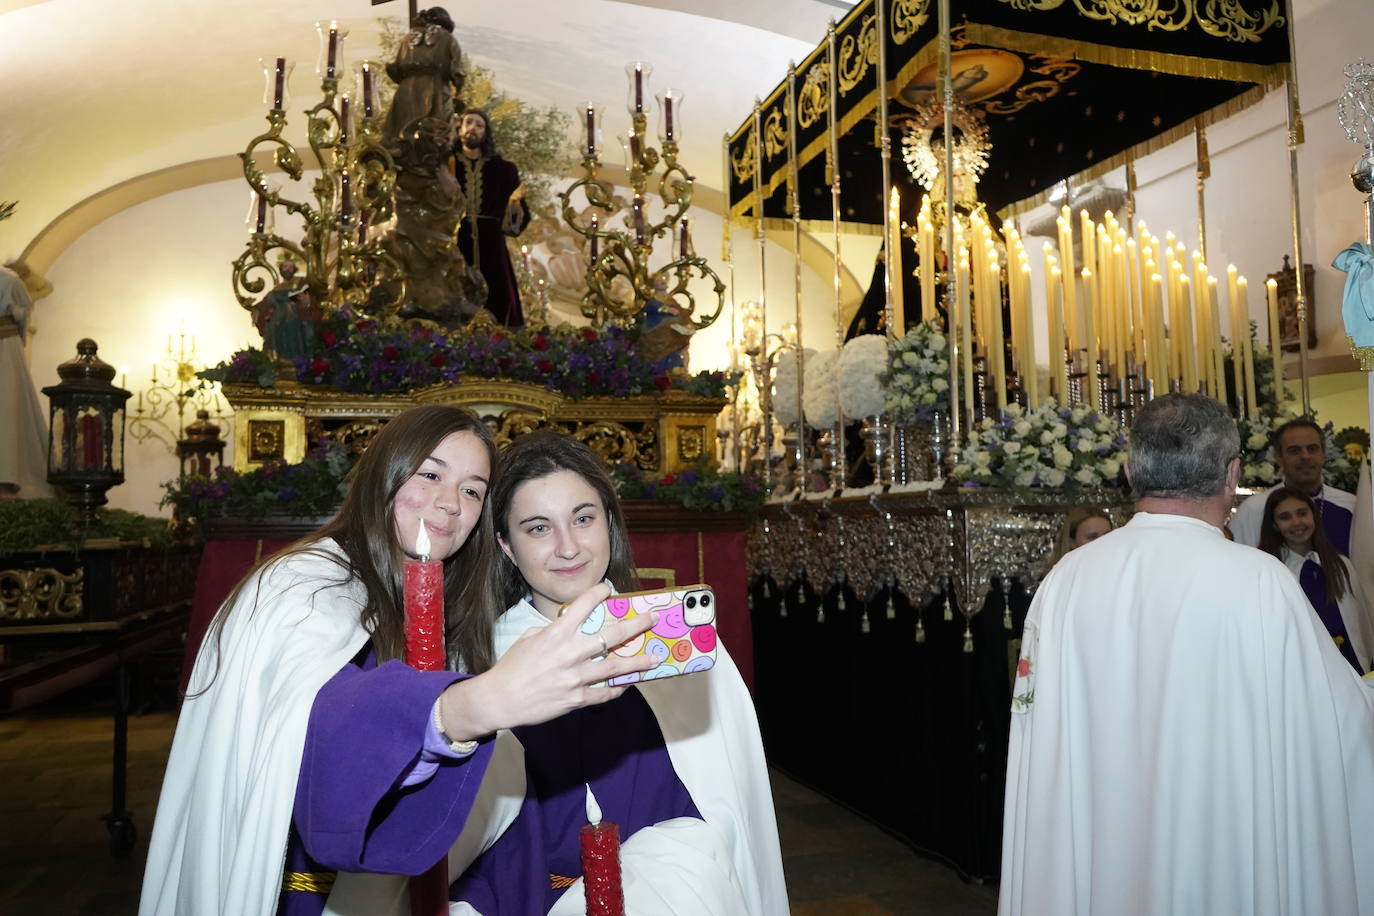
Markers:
<point>496,180</point>
<point>616,748</point>
<point>367,727</point>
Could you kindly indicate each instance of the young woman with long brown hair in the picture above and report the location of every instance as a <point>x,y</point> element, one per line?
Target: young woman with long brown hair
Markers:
<point>304,733</point>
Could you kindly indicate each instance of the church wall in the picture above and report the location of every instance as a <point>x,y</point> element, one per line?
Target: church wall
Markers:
<point>132,280</point>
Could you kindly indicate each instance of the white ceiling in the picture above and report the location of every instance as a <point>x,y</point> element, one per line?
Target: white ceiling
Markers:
<point>99,92</point>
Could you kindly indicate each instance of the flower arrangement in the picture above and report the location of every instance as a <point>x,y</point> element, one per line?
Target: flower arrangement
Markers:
<point>315,486</point>
<point>1050,446</point>
<point>700,487</point>
<point>390,356</point>
<point>861,367</point>
<point>785,385</point>
<point>916,379</point>
<point>820,397</point>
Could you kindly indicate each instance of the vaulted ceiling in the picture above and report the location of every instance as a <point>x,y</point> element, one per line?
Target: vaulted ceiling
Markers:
<point>110,103</point>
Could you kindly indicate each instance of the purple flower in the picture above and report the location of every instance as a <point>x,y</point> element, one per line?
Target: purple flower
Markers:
<point>688,477</point>
<point>716,494</point>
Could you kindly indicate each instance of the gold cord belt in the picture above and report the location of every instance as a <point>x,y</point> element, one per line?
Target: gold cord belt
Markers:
<point>313,882</point>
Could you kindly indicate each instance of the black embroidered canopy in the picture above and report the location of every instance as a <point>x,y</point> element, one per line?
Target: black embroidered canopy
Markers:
<point>1064,87</point>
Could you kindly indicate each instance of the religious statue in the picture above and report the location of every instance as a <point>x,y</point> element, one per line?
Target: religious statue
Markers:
<point>286,317</point>
<point>24,445</point>
<point>495,209</point>
<point>427,63</point>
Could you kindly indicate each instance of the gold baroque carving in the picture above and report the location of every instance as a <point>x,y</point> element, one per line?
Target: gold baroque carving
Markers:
<point>743,165</point>
<point>812,97</point>
<point>774,134</point>
<point>857,55</point>
<point>1230,20</point>
<point>38,594</point>
<point>266,440</point>
<point>1027,94</point>
<point>907,17</point>
<point>691,443</point>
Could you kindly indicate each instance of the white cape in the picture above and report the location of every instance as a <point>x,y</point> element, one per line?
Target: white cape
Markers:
<point>731,862</point>
<point>219,840</point>
<point>1185,738</point>
<point>24,442</point>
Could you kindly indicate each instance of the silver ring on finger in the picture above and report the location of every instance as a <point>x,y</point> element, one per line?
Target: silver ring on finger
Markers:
<point>604,651</point>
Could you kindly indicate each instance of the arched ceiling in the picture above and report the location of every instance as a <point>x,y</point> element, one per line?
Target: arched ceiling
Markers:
<point>101,94</point>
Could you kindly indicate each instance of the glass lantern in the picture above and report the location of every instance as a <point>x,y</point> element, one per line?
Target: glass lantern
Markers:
<point>86,430</point>
<point>669,116</point>
<point>276,74</point>
<point>330,63</point>
<point>637,71</point>
<point>589,126</point>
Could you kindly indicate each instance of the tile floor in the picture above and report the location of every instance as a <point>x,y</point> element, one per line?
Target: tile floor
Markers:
<point>55,861</point>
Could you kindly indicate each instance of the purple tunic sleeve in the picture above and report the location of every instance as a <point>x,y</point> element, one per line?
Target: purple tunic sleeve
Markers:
<point>367,728</point>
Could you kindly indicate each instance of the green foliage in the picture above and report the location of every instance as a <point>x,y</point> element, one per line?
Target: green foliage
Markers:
<point>315,486</point>
<point>26,524</point>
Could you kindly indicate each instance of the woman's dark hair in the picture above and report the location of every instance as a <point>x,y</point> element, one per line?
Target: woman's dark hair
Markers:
<point>539,454</point>
<point>1271,540</point>
<point>365,530</point>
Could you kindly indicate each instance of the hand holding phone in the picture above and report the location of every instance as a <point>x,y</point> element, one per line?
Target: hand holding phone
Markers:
<point>683,642</point>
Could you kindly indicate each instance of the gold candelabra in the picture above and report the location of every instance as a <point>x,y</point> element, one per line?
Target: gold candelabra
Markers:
<point>353,192</point>
<point>620,281</point>
<point>159,411</point>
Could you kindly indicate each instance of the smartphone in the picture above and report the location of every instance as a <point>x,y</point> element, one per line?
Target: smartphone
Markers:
<point>684,641</point>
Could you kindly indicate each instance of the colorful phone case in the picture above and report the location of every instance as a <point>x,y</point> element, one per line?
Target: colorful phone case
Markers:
<point>684,640</point>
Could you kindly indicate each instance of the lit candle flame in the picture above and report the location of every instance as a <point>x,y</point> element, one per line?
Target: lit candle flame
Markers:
<point>593,809</point>
<point>422,542</point>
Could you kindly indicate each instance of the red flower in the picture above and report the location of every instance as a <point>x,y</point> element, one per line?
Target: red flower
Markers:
<point>545,366</point>
<point>498,337</point>
<point>318,367</point>
<point>328,338</point>
<point>364,324</point>
<point>437,360</point>
<point>503,364</point>
<point>540,342</point>
<point>391,353</point>
<point>593,378</point>
<point>589,335</point>
<point>662,382</point>
<point>1023,668</point>
<point>668,480</point>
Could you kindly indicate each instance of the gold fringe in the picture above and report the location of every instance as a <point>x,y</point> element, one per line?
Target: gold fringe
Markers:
<point>558,882</point>
<point>1365,355</point>
<point>1126,58</point>
<point>1144,148</point>
<point>310,882</point>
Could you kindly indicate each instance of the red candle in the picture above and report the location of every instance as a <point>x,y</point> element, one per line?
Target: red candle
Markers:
<point>92,435</point>
<point>279,87</point>
<point>345,197</point>
<point>260,222</point>
<point>640,228</point>
<point>634,149</point>
<point>684,241</point>
<point>367,90</point>
<point>344,104</point>
<point>591,131</point>
<point>362,228</point>
<point>600,844</point>
<point>423,591</point>
<point>668,116</point>
<point>639,88</point>
<point>424,608</point>
<point>595,239</point>
<point>333,49</point>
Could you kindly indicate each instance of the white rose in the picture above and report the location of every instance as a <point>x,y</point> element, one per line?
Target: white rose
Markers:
<point>1256,442</point>
<point>1062,456</point>
<point>911,358</point>
<point>1085,476</point>
<point>961,470</point>
<point>1012,410</point>
<point>1110,468</point>
<point>939,384</point>
<point>938,342</point>
<point>1046,437</point>
<point>1021,428</point>
<point>1054,478</point>
<point>1059,430</point>
<point>1012,448</point>
<point>929,397</point>
<point>1084,445</point>
<point>982,459</point>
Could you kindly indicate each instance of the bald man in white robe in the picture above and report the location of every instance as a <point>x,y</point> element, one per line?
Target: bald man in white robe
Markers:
<point>1185,738</point>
